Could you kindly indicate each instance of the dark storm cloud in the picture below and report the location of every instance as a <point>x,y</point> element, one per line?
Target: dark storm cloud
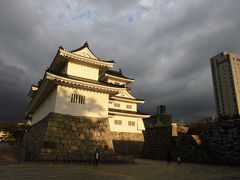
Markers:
<point>14,86</point>
<point>164,45</point>
<point>196,35</point>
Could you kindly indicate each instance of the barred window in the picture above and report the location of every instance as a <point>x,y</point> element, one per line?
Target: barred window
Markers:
<point>131,123</point>
<point>118,122</point>
<point>116,105</point>
<point>129,106</point>
<point>75,98</point>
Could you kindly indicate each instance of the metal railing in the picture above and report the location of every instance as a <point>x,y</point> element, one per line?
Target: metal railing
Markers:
<point>81,158</point>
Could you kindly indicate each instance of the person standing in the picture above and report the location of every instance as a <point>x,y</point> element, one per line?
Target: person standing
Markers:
<point>96,157</point>
<point>179,160</point>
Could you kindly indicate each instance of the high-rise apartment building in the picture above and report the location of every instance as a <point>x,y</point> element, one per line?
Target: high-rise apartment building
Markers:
<point>226,81</point>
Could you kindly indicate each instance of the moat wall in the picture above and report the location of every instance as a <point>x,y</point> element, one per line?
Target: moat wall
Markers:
<point>222,142</point>
<point>217,144</point>
<point>60,135</point>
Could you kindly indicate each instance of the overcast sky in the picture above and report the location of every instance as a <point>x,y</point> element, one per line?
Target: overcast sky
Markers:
<point>164,44</point>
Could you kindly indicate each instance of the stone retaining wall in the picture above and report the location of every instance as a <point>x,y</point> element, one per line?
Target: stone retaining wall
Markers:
<point>157,141</point>
<point>222,142</point>
<point>218,144</point>
<point>127,143</point>
<point>60,135</point>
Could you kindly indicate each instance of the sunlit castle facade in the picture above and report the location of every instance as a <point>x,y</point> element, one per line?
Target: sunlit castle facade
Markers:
<point>77,83</point>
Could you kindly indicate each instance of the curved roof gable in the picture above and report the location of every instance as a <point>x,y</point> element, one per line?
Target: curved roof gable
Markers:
<point>85,51</point>
<point>125,94</point>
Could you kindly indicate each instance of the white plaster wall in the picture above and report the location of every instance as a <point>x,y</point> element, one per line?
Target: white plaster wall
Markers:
<point>46,107</point>
<point>83,70</point>
<point>123,105</point>
<point>139,126</point>
<point>96,104</point>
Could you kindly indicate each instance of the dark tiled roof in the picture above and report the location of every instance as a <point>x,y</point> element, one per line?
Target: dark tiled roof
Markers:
<point>117,73</point>
<point>152,118</point>
<point>128,112</point>
<point>86,45</point>
<point>129,98</point>
<point>33,85</point>
<point>87,80</point>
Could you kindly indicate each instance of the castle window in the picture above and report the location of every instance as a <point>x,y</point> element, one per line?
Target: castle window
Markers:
<point>75,98</point>
<point>118,122</point>
<point>129,106</point>
<point>131,123</point>
<point>116,105</point>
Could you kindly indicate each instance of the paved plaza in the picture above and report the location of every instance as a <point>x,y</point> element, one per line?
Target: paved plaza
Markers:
<point>143,169</point>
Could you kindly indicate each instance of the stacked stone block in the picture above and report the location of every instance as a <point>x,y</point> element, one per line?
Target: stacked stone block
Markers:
<point>158,141</point>
<point>222,142</point>
<point>61,135</point>
<point>127,143</point>
<point>217,144</point>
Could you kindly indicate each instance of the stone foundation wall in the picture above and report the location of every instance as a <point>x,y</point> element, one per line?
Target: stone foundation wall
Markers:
<point>218,144</point>
<point>59,135</point>
<point>34,138</point>
<point>127,143</point>
<point>157,141</point>
<point>222,142</point>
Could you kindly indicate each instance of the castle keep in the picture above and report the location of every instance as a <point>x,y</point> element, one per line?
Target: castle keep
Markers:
<point>81,104</point>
